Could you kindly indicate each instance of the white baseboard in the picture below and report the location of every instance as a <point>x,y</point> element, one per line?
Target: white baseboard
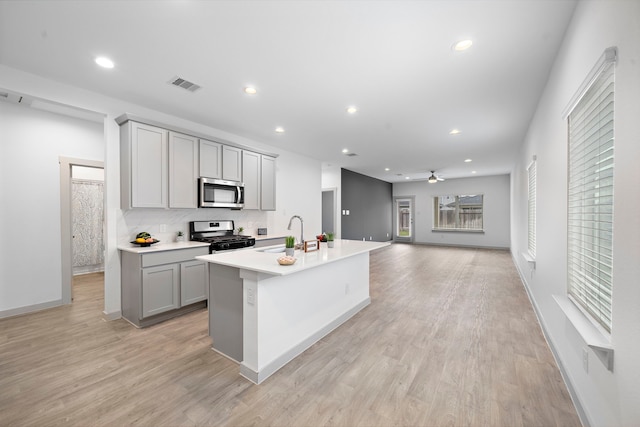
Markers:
<point>30,308</point>
<point>111,316</point>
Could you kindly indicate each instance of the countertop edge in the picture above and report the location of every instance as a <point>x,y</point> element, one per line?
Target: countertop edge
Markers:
<point>160,247</point>
<point>258,261</point>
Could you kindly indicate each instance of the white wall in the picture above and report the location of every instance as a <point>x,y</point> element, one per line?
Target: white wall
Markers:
<point>32,141</point>
<point>607,398</point>
<point>298,189</point>
<point>496,210</point>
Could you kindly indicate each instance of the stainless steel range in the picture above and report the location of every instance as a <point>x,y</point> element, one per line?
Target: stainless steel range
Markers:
<point>219,235</point>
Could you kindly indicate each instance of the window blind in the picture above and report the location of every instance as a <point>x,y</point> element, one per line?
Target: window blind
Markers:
<point>531,222</point>
<point>590,198</point>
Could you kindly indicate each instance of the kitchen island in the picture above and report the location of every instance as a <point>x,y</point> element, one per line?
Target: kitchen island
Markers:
<point>262,314</point>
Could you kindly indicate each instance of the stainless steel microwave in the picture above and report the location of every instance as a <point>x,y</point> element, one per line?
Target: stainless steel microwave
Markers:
<point>219,193</point>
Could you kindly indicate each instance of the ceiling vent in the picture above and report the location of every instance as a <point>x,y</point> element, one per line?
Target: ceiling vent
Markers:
<point>184,84</point>
<point>350,154</point>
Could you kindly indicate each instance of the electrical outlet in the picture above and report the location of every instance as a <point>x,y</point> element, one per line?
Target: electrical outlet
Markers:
<point>585,359</point>
<point>251,299</point>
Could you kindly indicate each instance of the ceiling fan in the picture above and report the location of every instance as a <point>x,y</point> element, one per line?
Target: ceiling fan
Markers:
<point>433,178</point>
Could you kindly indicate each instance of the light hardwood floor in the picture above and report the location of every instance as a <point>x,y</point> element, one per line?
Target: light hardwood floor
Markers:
<point>449,339</point>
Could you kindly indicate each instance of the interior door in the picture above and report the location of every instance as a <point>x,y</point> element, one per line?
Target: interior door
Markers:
<point>403,219</point>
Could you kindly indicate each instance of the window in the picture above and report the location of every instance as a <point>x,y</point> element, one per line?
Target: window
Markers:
<point>590,195</point>
<point>463,212</point>
<point>531,208</point>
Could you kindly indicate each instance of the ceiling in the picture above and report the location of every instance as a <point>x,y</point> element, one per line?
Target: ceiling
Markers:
<point>309,61</point>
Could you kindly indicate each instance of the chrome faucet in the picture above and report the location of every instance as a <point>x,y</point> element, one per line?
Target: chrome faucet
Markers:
<point>301,228</point>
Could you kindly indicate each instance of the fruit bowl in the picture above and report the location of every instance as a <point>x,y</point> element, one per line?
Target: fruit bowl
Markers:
<point>286,260</point>
<point>145,244</point>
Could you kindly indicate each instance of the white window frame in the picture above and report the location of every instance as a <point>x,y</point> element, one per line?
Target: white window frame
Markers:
<point>590,193</point>
<point>456,227</point>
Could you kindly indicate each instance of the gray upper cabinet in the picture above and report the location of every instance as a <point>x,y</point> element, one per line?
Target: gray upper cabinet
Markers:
<point>251,179</point>
<point>144,166</point>
<point>231,163</point>
<point>183,171</point>
<point>210,159</point>
<point>160,167</point>
<point>267,183</point>
<point>259,177</point>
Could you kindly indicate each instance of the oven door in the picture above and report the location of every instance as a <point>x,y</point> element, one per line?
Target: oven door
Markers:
<point>218,193</point>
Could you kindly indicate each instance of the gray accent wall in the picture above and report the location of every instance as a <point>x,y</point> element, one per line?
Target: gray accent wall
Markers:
<point>369,202</point>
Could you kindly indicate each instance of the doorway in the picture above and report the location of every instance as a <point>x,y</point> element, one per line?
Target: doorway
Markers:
<point>87,219</point>
<point>329,210</point>
<point>67,166</point>
<point>403,219</point>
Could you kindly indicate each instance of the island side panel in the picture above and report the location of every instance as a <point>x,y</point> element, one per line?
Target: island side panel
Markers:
<point>284,315</point>
<point>225,310</point>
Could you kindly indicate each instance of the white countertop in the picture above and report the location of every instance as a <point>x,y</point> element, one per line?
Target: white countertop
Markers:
<point>266,262</point>
<point>161,246</point>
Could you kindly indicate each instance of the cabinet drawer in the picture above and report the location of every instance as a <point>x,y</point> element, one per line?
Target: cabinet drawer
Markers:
<point>175,256</point>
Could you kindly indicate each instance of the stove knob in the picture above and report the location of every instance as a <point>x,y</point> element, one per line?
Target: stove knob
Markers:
<point>224,246</point>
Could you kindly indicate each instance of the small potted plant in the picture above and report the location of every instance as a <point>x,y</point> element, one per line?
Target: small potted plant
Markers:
<point>179,236</point>
<point>240,230</point>
<point>330,240</point>
<point>289,245</point>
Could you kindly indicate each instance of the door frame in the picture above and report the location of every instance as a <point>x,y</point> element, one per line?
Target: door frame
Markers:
<point>66,253</point>
<point>334,192</point>
<point>412,200</point>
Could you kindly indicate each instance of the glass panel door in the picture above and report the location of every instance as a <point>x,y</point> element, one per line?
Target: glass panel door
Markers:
<point>403,215</point>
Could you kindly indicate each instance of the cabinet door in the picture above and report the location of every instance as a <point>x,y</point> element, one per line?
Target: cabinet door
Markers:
<point>183,171</point>
<point>267,183</point>
<point>148,166</point>
<point>160,289</point>
<point>210,159</point>
<point>231,163</point>
<point>194,282</point>
<point>251,179</point>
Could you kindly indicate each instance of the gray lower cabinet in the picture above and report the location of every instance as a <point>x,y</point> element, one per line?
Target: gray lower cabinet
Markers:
<point>160,289</point>
<point>157,286</point>
<point>194,282</point>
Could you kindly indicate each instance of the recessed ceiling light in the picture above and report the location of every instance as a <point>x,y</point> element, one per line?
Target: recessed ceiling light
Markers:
<point>352,110</point>
<point>250,90</point>
<point>454,132</point>
<point>468,160</point>
<point>386,169</point>
<point>473,171</point>
<point>462,45</point>
<point>104,62</point>
<point>279,129</point>
<point>407,177</point>
<point>345,151</point>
